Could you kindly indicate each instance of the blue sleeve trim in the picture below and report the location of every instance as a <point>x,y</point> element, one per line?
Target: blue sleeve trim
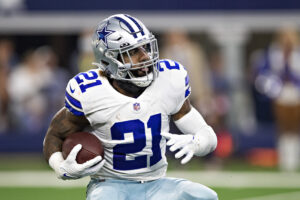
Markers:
<point>187,92</point>
<point>73,101</point>
<point>187,80</point>
<point>72,110</point>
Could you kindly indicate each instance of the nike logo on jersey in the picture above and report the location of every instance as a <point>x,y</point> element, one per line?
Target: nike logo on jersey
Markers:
<point>65,175</point>
<point>72,90</point>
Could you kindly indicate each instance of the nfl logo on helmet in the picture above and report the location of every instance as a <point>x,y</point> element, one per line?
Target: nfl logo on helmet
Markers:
<point>136,106</point>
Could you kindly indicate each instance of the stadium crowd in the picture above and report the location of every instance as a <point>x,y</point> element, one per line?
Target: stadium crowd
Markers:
<point>32,85</point>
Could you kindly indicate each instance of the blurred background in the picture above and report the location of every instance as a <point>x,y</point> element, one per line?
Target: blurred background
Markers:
<point>243,58</point>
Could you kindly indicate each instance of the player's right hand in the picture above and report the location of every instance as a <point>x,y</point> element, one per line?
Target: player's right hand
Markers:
<point>70,169</point>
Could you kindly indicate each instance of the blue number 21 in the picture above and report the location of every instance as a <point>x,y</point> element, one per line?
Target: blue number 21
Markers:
<point>136,127</point>
<point>90,75</point>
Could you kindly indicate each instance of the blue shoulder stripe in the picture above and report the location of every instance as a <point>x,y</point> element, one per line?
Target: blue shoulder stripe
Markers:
<point>136,23</point>
<point>72,110</point>
<point>73,101</point>
<point>187,92</point>
<point>187,80</point>
<point>128,26</point>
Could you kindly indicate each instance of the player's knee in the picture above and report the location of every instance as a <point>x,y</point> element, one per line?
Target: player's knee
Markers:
<point>211,195</point>
<point>200,192</point>
<point>99,194</point>
<point>200,196</point>
<point>102,190</point>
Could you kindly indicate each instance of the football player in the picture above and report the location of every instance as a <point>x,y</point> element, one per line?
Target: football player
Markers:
<point>127,102</point>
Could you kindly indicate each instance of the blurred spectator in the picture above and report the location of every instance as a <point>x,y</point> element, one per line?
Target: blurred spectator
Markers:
<point>86,55</point>
<point>277,86</point>
<point>55,89</point>
<point>33,87</point>
<point>7,60</point>
<point>221,106</point>
<point>11,6</point>
<point>220,91</point>
<point>179,47</point>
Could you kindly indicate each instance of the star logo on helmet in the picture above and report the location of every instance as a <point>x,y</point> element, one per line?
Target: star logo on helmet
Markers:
<point>102,34</point>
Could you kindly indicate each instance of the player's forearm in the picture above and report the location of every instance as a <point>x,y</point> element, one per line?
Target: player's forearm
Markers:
<point>61,126</point>
<point>204,136</point>
<point>54,136</point>
<point>52,144</point>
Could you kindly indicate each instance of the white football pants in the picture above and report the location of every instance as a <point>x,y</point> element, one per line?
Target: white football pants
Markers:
<point>161,189</point>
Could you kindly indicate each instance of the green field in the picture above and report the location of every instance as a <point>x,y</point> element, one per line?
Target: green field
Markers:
<point>30,178</point>
<point>257,193</point>
<point>79,193</point>
<point>37,162</point>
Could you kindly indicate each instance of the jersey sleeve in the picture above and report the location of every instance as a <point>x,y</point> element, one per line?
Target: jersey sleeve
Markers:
<point>73,98</point>
<point>179,85</point>
<point>183,88</point>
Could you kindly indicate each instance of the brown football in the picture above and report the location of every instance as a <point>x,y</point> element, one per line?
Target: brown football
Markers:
<point>91,146</point>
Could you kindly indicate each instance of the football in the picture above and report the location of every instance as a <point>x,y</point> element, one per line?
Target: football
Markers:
<point>91,146</point>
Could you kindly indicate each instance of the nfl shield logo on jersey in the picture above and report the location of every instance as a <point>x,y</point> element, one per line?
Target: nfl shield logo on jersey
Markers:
<point>136,106</point>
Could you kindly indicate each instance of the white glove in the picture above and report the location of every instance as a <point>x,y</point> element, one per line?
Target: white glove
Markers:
<point>189,145</point>
<point>70,169</point>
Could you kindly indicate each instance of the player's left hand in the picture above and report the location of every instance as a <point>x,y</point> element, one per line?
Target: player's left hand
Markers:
<point>185,143</point>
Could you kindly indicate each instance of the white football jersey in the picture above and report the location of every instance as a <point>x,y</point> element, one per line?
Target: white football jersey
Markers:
<point>130,128</point>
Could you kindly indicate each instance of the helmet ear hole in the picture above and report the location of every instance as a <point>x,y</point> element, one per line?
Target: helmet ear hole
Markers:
<point>119,58</point>
<point>104,62</point>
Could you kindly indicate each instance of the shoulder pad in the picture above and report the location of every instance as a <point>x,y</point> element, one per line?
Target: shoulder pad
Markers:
<point>76,89</point>
<point>177,78</point>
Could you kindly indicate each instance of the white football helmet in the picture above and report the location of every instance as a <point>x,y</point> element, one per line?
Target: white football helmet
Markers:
<point>117,36</point>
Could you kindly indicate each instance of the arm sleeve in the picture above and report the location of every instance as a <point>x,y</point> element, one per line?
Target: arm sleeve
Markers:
<point>194,124</point>
<point>73,98</point>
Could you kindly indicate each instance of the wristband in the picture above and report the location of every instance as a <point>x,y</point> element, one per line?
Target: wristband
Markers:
<point>205,139</point>
<point>55,160</point>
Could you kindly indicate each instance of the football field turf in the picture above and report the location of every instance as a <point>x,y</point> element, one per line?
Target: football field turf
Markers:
<point>43,185</point>
<point>78,193</point>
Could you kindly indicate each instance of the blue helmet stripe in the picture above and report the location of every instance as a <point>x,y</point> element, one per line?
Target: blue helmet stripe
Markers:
<point>72,110</point>
<point>128,26</point>
<point>73,101</point>
<point>136,23</point>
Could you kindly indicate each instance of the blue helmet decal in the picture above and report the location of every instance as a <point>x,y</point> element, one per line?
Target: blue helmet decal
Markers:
<point>136,23</point>
<point>102,34</point>
<point>128,26</point>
